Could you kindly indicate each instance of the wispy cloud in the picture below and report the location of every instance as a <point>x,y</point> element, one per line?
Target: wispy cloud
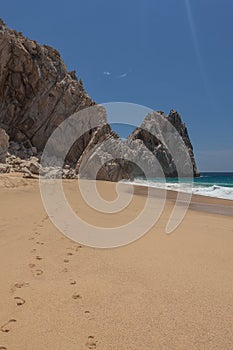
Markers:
<point>197,50</point>
<point>123,75</point>
<point>120,76</point>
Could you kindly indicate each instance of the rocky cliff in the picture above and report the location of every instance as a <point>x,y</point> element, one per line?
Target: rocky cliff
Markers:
<point>4,145</point>
<point>37,94</point>
<point>36,91</point>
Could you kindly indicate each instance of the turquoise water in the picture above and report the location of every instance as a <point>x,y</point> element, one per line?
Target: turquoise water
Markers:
<point>218,185</point>
<point>210,179</point>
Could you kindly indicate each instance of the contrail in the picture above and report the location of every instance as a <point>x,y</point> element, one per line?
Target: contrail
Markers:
<point>194,36</point>
<point>197,51</point>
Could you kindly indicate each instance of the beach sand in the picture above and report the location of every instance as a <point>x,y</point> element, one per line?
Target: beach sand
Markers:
<point>161,292</point>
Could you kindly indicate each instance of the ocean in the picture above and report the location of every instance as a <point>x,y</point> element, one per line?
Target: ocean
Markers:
<point>218,185</point>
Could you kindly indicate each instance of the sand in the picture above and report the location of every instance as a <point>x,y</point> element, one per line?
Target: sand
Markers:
<point>160,292</point>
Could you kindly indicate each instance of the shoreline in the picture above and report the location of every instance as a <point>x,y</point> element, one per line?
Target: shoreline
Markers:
<point>214,187</point>
<point>207,204</point>
<point>203,203</point>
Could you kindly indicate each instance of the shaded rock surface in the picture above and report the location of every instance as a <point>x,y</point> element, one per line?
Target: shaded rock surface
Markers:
<point>4,144</point>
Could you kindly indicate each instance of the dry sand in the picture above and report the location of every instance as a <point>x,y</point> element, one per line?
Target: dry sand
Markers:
<point>160,292</point>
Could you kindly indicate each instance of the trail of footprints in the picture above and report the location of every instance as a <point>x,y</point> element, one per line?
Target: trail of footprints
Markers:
<point>91,342</point>
<point>38,272</point>
<point>19,301</point>
<point>6,327</point>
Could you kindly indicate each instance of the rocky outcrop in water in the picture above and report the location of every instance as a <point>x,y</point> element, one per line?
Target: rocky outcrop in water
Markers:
<point>161,140</point>
<point>153,150</point>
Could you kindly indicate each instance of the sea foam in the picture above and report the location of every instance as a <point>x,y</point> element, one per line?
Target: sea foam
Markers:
<point>215,191</point>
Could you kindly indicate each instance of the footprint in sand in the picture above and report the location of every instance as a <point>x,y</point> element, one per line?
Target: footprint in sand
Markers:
<point>45,218</point>
<point>66,261</point>
<point>19,285</point>
<point>74,248</point>
<point>76,296</point>
<point>7,326</point>
<point>91,342</point>
<point>38,257</point>
<point>69,254</point>
<point>73,282</point>
<point>39,272</point>
<point>40,243</point>
<point>88,315</point>
<point>31,238</point>
<point>3,348</point>
<point>19,301</point>
<point>77,248</point>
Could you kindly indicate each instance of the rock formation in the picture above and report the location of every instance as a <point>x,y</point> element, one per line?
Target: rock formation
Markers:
<point>146,152</point>
<point>153,132</point>
<point>4,144</point>
<point>37,94</point>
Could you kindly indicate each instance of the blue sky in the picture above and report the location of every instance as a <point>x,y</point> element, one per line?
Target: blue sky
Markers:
<point>162,54</point>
